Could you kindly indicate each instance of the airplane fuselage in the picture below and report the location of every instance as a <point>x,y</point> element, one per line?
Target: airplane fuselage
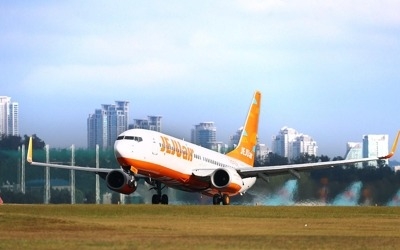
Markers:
<point>173,161</point>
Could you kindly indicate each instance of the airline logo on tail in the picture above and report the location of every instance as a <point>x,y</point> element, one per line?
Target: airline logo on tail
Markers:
<point>245,151</point>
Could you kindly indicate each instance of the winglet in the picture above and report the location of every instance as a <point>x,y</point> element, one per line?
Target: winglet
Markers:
<point>29,155</point>
<point>394,147</point>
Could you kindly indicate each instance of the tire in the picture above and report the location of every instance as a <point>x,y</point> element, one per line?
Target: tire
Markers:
<point>155,199</point>
<point>226,200</point>
<point>164,199</point>
<point>216,199</point>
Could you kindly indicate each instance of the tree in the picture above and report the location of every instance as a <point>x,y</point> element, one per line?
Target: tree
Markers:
<point>37,143</point>
<point>10,142</point>
<point>58,196</point>
<point>305,158</point>
<point>275,159</point>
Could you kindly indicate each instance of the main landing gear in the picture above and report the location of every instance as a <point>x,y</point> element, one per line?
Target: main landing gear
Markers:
<point>159,197</point>
<point>224,198</point>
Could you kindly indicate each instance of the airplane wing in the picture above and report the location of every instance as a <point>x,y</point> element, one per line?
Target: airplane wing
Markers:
<point>294,169</point>
<point>101,171</point>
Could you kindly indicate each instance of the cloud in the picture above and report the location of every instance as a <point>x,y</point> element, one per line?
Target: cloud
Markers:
<point>327,20</point>
<point>74,77</point>
<point>201,39</point>
<point>260,6</point>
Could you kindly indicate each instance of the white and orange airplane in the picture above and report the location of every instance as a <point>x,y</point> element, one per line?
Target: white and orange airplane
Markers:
<point>165,161</point>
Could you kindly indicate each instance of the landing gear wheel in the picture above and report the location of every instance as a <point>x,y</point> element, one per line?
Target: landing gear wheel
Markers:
<point>155,199</point>
<point>164,199</point>
<point>216,199</point>
<point>226,199</point>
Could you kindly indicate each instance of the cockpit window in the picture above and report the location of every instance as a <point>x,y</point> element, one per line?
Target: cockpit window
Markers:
<point>128,137</point>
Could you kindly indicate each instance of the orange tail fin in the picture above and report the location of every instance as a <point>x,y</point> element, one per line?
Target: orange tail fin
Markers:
<point>245,151</point>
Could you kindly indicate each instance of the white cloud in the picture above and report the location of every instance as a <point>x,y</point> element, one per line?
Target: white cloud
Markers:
<point>69,78</point>
<point>260,6</point>
<point>329,19</point>
<point>201,39</point>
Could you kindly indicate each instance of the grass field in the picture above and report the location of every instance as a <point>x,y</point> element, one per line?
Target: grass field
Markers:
<point>197,227</point>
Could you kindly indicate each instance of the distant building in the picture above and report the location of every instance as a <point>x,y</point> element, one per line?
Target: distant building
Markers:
<point>282,143</point>
<point>375,146</point>
<point>290,144</point>
<point>219,147</point>
<point>303,144</point>
<point>234,139</point>
<point>262,152</point>
<point>106,124</point>
<point>151,123</point>
<point>205,134</point>
<point>9,122</point>
<point>354,150</point>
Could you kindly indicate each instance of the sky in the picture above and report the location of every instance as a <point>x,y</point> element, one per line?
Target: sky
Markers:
<point>329,69</point>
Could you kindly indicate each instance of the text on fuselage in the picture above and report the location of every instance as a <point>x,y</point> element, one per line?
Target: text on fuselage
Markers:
<point>173,147</point>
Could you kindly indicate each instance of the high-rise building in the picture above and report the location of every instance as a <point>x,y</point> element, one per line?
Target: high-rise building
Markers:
<point>303,144</point>
<point>375,146</point>
<point>282,143</point>
<point>354,150</point>
<point>9,124</point>
<point>97,132</point>
<point>155,123</point>
<point>151,123</point>
<point>205,135</point>
<point>262,152</point>
<point>234,139</point>
<point>291,144</point>
<point>106,124</point>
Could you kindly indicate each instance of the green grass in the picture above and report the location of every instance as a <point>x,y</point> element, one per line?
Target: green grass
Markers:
<point>197,227</point>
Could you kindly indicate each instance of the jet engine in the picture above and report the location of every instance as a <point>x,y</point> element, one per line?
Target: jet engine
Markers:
<point>223,177</point>
<point>121,182</point>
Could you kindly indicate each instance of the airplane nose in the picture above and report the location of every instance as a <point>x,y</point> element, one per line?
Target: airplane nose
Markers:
<point>117,149</point>
<point>121,150</point>
<point>120,153</point>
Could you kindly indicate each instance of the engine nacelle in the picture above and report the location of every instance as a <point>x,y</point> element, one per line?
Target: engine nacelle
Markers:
<point>226,177</point>
<point>121,182</point>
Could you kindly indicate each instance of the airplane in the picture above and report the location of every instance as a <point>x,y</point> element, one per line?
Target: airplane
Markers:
<point>164,161</point>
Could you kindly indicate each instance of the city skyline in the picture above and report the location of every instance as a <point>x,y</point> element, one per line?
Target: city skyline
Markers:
<point>119,111</point>
<point>328,69</point>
